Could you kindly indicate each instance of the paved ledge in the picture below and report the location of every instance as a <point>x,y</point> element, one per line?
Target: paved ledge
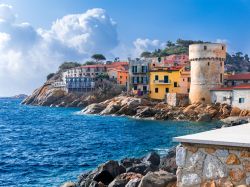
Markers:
<point>238,136</point>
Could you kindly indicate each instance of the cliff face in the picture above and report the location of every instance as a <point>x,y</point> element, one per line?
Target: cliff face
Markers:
<point>47,95</point>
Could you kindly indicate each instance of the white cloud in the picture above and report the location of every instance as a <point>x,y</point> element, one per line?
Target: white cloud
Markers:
<point>27,55</point>
<point>142,45</point>
<point>139,45</point>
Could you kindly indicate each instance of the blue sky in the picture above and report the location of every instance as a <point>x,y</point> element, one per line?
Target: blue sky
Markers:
<point>154,19</point>
<point>36,36</point>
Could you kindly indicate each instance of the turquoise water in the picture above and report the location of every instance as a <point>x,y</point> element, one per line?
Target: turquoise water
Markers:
<point>42,146</point>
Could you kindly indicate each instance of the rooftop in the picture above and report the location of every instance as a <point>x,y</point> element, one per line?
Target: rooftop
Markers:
<point>238,87</point>
<point>237,136</point>
<point>239,76</point>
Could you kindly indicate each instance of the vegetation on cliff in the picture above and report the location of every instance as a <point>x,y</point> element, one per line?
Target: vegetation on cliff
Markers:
<point>236,62</point>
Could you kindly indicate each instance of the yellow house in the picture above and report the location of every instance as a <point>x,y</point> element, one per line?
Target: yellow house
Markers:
<point>164,80</point>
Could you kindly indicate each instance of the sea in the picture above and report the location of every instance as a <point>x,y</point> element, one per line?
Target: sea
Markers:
<point>45,146</point>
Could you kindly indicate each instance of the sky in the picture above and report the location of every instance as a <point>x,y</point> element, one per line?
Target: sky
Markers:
<point>36,36</point>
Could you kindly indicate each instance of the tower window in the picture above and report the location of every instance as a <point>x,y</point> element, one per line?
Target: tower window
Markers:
<point>222,47</point>
<point>205,47</point>
<point>208,63</point>
<point>221,77</point>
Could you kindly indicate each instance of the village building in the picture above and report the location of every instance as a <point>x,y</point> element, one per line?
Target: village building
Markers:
<point>236,96</point>
<point>164,80</point>
<point>237,79</point>
<point>122,77</point>
<point>79,84</point>
<point>114,68</point>
<point>138,76</point>
<point>169,61</point>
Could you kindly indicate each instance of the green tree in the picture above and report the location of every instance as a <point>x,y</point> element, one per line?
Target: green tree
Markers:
<point>89,63</point>
<point>49,76</point>
<point>68,65</point>
<point>170,44</point>
<point>146,54</point>
<point>98,57</point>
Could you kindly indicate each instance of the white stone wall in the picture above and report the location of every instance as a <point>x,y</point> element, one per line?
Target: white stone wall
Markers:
<point>218,96</point>
<point>200,165</point>
<point>241,94</point>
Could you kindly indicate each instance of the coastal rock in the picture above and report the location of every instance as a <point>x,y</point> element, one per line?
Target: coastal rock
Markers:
<point>133,182</point>
<point>105,174</point>
<point>168,162</point>
<point>111,108</point>
<point>69,184</point>
<point>158,179</point>
<point>204,117</point>
<point>153,158</point>
<point>145,112</point>
<point>129,162</point>
<point>235,111</point>
<point>94,108</point>
<point>123,179</point>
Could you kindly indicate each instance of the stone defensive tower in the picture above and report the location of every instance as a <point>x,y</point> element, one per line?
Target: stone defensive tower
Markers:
<point>207,70</point>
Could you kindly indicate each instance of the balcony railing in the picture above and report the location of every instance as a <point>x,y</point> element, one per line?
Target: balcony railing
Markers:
<point>162,82</point>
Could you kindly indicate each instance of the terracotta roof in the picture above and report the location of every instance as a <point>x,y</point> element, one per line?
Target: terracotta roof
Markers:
<point>239,76</point>
<point>238,87</point>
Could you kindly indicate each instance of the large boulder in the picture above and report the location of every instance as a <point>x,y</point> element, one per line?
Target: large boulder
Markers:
<point>104,174</point>
<point>129,162</point>
<point>112,108</point>
<point>235,111</point>
<point>69,184</point>
<point>153,158</point>
<point>133,182</point>
<point>123,179</point>
<point>168,162</point>
<point>94,108</point>
<point>145,112</point>
<point>204,117</point>
<point>158,179</point>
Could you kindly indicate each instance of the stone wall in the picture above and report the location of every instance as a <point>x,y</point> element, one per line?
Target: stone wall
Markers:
<point>212,166</point>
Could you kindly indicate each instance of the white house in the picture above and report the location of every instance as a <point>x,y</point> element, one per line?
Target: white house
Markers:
<point>236,96</point>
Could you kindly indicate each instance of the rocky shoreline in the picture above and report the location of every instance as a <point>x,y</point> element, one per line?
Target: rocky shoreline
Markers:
<point>144,108</point>
<point>151,170</point>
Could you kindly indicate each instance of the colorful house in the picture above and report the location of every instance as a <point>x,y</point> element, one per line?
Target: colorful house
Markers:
<point>138,76</point>
<point>122,77</point>
<point>165,80</point>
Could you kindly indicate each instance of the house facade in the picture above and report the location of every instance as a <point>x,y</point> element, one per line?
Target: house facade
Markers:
<point>139,76</point>
<point>237,79</point>
<point>79,84</point>
<point>122,77</point>
<point>164,80</point>
<point>236,96</point>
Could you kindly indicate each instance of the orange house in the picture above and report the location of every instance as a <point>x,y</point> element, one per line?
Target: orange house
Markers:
<point>122,77</point>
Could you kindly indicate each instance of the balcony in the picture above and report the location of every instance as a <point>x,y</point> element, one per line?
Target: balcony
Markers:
<point>162,82</point>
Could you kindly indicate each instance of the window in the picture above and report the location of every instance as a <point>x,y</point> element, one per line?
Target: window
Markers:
<point>183,80</point>
<point>135,87</point>
<point>189,79</point>
<point>221,77</point>
<point>208,63</point>
<point>166,90</point>
<point>205,47</point>
<point>156,90</point>
<point>222,47</point>
<point>156,77</point>
<point>241,100</point>
<point>188,90</point>
<point>138,79</point>
<point>175,84</point>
